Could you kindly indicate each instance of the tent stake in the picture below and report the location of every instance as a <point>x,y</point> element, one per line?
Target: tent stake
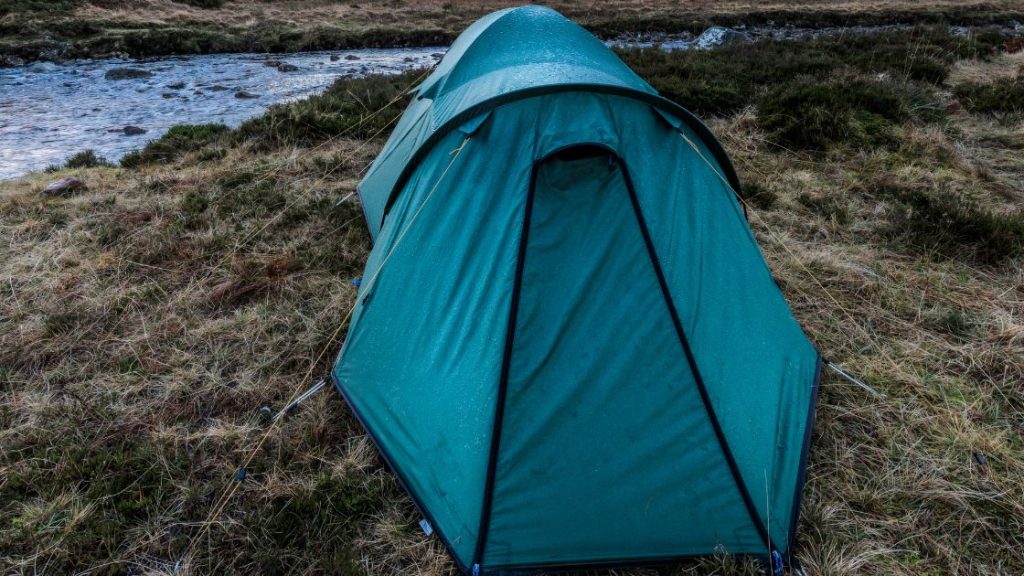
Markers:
<point>294,403</point>
<point>853,379</point>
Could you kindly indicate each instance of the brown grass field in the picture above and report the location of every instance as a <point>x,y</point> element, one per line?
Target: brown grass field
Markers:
<point>55,29</point>
<point>145,321</point>
<point>459,13</point>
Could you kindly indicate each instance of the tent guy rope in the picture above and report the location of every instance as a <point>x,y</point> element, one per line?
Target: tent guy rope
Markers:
<point>228,493</point>
<point>777,240</point>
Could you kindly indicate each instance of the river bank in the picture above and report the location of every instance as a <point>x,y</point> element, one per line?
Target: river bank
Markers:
<point>114,106</point>
<point>71,29</point>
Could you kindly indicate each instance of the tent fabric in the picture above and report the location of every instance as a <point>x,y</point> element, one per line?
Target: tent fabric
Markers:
<point>509,54</point>
<point>569,348</point>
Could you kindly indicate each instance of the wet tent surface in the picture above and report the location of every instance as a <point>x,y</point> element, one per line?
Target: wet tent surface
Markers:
<point>599,389</point>
<point>524,375</point>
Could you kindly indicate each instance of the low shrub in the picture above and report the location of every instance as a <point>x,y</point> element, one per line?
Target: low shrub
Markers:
<point>246,194</point>
<point>348,108</point>
<point>177,141</point>
<point>814,115</point>
<point>757,195</point>
<point>204,3</point>
<point>1003,95</point>
<point>826,206</point>
<point>86,159</point>
<point>40,6</point>
<point>726,79</point>
<point>950,224</point>
<point>955,323</point>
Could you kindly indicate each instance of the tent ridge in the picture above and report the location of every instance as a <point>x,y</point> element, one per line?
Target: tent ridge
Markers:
<point>655,100</point>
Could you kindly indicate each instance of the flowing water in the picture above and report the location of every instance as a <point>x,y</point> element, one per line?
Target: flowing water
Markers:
<point>51,111</point>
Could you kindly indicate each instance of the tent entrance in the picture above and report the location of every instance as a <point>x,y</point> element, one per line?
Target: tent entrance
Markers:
<point>606,451</point>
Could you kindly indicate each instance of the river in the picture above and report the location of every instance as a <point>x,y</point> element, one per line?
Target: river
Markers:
<point>51,111</point>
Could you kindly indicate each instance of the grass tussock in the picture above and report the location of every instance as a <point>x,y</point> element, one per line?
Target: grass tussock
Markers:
<point>177,141</point>
<point>347,108</point>
<point>145,320</point>
<point>83,159</point>
<point>1002,96</point>
<point>948,224</point>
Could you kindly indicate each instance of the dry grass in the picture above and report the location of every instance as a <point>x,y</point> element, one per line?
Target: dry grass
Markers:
<point>45,29</point>
<point>1005,66</point>
<point>145,321</point>
<point>895,485</point>
<point>441,13</point>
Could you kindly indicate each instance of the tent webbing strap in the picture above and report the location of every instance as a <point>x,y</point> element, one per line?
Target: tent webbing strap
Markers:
<point>229,492</point>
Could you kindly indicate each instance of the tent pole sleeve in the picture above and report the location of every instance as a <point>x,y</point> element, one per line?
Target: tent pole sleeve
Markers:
<point>705,398</point>
<point>506,361</point>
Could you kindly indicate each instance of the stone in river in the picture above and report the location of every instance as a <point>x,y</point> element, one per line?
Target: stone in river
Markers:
<point>127,74</point>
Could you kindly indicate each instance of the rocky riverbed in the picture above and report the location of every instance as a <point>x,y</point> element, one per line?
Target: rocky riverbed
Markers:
<point>50,111</point>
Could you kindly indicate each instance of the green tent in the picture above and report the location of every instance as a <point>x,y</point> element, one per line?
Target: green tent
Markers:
<point>567,344</point>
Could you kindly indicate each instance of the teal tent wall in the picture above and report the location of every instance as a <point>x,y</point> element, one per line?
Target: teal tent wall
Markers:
<point>567,345</point>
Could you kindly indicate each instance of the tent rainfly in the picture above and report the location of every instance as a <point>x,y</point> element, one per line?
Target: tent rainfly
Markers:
<point>568,346</point>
